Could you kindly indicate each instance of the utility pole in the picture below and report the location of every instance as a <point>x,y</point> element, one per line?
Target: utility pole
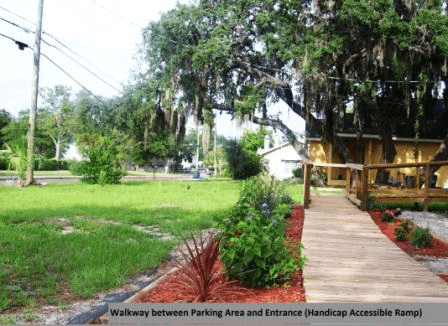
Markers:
<point>35,93</point>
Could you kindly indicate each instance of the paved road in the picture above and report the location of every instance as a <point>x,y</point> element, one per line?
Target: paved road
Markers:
<point>70,179</point>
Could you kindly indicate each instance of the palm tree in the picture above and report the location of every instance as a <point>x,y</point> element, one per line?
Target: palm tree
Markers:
<point>15,156</point>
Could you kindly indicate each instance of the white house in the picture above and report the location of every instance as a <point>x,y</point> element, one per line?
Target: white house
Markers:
<point>282,159</point>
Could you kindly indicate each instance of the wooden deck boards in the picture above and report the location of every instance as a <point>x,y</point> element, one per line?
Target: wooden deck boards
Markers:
<point>351,261</point>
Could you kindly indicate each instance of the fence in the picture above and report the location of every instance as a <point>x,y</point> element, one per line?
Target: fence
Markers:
<point>416,188</point>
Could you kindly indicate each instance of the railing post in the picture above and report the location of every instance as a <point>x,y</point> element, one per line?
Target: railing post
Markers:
<point>418,184</point>
<point>307,185</point>
<point>364,187</point>
<point>348,176</point>
<point>426,191</point>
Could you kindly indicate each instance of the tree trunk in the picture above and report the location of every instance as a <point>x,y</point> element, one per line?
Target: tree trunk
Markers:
<point>284,92</point>
<point>58,155</point>
<point>385,130</point>
<point>440,155</point>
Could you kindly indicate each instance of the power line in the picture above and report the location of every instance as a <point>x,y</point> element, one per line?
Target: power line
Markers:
<point>71,77</point>
<point>58,41</point>
<point>12,13</point>
<point>79,56</point>
<point>116,15</point>
<point>29,31</point>
<point>8,37</point>
<point>59,67</point>
<point>16,25</point>
<point>74,60</point>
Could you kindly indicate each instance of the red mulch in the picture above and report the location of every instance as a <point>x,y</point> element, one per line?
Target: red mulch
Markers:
<point>169,290</point>
<point>438,247</point>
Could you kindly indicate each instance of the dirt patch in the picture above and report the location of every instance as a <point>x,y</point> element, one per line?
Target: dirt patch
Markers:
<point>166,291</point>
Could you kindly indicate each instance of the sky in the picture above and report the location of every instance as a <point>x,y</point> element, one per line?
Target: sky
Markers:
<point>102,35</point>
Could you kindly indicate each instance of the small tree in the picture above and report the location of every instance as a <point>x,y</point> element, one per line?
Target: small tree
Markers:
<point>15,157</point>
<point>218,156</point>
<point>242,163</point>
<point>103,165</point>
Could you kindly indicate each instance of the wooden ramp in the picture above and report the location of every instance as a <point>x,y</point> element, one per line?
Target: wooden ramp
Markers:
<point>351,261</point>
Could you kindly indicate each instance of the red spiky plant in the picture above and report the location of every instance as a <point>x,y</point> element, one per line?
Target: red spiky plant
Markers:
<point>199,273</point>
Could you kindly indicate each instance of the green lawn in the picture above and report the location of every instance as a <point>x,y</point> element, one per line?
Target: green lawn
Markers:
<point>106,245</point>
<point>37,260</point>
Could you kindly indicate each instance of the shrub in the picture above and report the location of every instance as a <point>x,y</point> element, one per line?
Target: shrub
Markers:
<point>402,231</point>
<point>298,172</point>
<point>253,247</point>
<point>51,165</point>
<point>103,165</point>
<point>74,167</point>
<point>420,237</point>
<point>318,177</point>
<point>387,217</point>
<point>242,163</point>
<point>197,272</point>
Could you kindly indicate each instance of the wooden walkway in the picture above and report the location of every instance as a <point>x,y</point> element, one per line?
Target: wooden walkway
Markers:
<point>351,261</point>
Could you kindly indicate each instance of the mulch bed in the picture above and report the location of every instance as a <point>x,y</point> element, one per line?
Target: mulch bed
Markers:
<point>170,292</point>
<point>438,248</point>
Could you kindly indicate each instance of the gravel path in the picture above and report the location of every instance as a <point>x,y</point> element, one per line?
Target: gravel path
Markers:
<point>438,224</point>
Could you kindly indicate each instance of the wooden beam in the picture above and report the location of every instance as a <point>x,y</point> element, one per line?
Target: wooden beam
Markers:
<point>353,166</point>
<point>333,165</point>
<point>405,165</point>
<point>364,188</point>
<point>426,190</point>
<point>307,184</point>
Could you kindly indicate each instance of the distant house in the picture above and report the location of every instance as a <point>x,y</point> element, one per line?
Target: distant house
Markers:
<point>368,149</point>
<point>282,159</point>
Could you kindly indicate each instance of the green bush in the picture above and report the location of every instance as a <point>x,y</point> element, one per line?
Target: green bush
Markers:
<point>74,168</point>
<point>420,237</point>
<point>387,217</point>
<point>253,238</point>
<point>102,165</point>
<point>298,172</point>
<point>242,163</point>
<point>51,165</point>
<point>402,232</point>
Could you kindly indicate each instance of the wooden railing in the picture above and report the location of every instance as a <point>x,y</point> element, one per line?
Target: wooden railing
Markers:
<point>360,191</point>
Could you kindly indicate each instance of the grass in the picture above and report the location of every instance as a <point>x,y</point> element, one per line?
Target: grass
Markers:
<point>38,262</point>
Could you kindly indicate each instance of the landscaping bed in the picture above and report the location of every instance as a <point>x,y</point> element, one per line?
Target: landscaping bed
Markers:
<point>168,291</point>
<point>436,250</point>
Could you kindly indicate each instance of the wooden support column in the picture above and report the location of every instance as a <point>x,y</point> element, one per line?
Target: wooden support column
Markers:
<point>426,190</point>
<point>330,169</point>
<point>418,185</point>
<point>348,174</point>
<point>307,184</point>
<point>372,175</point>
<point>364,187</point>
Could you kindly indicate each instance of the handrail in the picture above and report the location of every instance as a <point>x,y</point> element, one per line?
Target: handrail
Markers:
<point>354,166</point>
<point>331,165</point>
<point>357,179</point>
<point>404,165</point>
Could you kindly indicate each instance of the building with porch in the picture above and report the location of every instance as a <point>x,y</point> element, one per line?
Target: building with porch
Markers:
<point>368,148</point>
